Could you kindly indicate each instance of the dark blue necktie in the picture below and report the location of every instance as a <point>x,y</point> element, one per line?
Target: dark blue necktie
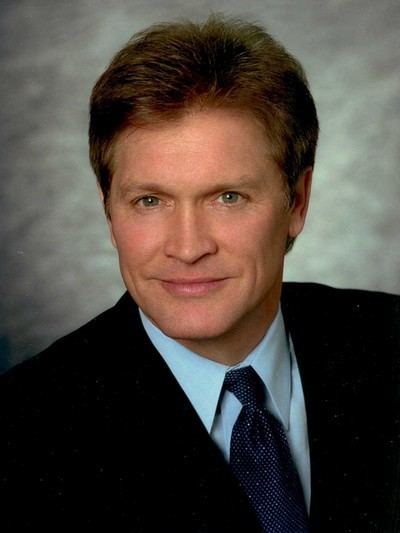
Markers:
<point>260,458</point>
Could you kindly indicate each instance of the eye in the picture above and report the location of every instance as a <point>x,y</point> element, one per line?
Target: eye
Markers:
<point>148,201</point>
<point>229,197</point>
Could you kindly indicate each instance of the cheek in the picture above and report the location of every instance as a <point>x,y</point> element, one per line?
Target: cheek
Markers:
<point>261,236</point>
<point>266,252</point>
<point>135,244</point>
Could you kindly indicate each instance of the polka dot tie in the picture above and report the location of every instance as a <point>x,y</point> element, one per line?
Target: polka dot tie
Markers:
<point>260,458</point>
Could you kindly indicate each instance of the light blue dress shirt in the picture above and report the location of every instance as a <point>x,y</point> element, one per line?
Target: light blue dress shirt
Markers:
<point>274,361</point>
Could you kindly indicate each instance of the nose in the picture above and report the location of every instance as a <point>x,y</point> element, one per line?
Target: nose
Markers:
<point>189,236</point>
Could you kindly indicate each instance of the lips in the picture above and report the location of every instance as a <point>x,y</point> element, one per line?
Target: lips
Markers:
<point>193,286</point>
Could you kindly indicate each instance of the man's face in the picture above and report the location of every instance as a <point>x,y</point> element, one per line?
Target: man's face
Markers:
<point>199,216</point>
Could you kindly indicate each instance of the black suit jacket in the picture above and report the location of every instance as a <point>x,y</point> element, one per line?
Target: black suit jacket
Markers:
<point>97,434</point>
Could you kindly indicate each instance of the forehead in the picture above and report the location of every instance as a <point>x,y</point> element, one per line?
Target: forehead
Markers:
<point>206,139</point>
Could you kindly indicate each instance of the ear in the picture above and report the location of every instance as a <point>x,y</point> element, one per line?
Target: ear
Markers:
<point>300,201</point>
<point>108,216</point>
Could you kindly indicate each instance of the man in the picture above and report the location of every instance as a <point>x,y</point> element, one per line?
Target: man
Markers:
<point>210,398</point>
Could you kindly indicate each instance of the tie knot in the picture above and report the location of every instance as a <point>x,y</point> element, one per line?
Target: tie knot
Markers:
<point>246,385</point>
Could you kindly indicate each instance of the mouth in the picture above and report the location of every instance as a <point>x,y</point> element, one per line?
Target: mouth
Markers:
<point>193,287</point>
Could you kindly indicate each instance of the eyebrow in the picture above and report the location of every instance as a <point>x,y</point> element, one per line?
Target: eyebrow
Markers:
<point>133,187</point>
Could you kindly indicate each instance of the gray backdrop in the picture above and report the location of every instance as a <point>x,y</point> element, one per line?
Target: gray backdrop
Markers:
<point>58,268</point>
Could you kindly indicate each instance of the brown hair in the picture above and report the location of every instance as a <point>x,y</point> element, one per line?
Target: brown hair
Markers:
<point>171,68</point>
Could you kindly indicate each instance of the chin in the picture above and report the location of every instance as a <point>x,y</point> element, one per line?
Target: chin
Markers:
<point>191,325</point>
<point>191,330</point>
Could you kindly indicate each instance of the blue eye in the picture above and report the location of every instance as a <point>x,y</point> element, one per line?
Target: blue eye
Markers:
<point>229,197</point>
<point>149,201</point>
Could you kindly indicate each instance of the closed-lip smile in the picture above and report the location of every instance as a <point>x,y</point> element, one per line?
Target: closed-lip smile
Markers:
<point>192,286</point>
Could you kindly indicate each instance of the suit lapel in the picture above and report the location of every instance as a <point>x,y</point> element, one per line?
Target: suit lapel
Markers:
<point>313,351</point>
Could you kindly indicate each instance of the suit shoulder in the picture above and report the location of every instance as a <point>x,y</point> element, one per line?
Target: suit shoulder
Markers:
<point>316,293</point>
<point>75,353</point>
<point>369,316</point>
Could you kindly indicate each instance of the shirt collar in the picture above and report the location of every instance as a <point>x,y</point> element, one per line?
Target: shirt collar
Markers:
<point>271,360</point>
<point>202,379</point>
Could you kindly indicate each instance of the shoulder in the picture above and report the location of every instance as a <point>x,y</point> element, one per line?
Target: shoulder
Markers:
<point>78,356</point>
<point>356,325</point>
<point>319,292</point>
<point>341,304</point>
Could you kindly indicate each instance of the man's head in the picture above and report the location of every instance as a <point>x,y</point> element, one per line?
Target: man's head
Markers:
<point>203,140</point>
<point>172,69</point>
